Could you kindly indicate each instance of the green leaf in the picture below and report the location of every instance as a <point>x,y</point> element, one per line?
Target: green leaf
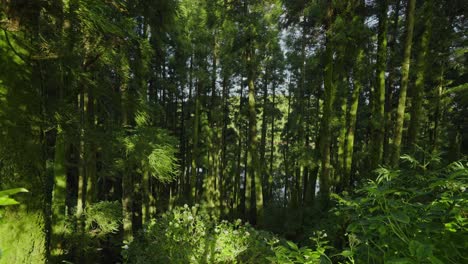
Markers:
<point>7,201</point>
<point>12,191</point>
<point>400,261</point>
<point>292,245</point>
<point>346,253</point>
<point>435,260</point>
<point>413,247</point>
<point>420,250</point>
<point>401,217</point>
<point>424,251</point>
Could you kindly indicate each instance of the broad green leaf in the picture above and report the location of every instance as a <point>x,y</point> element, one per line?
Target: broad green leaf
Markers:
<point>424,251</point>
<point>12,191</point>
<point>401,217</point>
<point>7,201</point>
<point>292,245</point>
<point>346,253</point>
<point>413,247</point>
<point>435,260</point>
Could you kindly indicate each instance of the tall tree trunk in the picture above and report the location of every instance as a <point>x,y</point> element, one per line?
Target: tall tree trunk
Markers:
<point>240,194</point>
<point>287,159</point>
<point>272,146</point>
<point>341,142</point>
<point>90,149</point>
<point>400,117</point>
<point>300,173</point>
<point>418,92</point>
<point>437,115</point>
<point>196,127</point>
<point>392,61</point>
<point>227,181</point>
<point>353,108</point>
<point>81,202</point>
<point>253,170</point>
<point>127,179</point>
<point>378,120</point>
<point>264,172</point>
<point>325,133</point>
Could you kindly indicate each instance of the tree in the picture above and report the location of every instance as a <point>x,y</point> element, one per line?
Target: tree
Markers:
<point>378,121</point>
<point>400,115</point>
<point>329,98</point>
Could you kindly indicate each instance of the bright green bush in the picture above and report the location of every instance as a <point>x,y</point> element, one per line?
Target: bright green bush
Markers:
<point>413,215</point>
<point>102,221</point>
<point>187,235</point>
<point>5,198</point>
<point>103,218</point>
<point>22,236</point>
<point>291,253</point>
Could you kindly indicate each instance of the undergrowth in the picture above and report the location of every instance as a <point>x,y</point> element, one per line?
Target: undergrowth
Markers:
<point>413,215</point>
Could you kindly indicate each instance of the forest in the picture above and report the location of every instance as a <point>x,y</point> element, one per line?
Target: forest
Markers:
<point>233,131</point>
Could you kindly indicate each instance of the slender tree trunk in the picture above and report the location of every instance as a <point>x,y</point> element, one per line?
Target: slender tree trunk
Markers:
<point>272,146</point>
<point>300,177</point>
<point>378,120</point>
<point>127,179</point>
<point>264,172</point>
<point>227,181</point>
<point>437,113</point>
<point>90,149</point>
<point>392,45</point>
<point>325,133</point>
<point>354,104</point>
<point>81,203</point>
<point>240,194</point>
<point>400,118</point>
<point>253,174</point>
<point>418,92</point>
<point>196,126</point>
<point>286,159</point>
<point>343,101</point>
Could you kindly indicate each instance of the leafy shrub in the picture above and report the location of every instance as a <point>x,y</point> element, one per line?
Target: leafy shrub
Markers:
<point>188,235</point>
<point>291,253</point>
<point>22,236</point>
<point>5,198</point>
<point>103,218</point>
<point>413,215</point>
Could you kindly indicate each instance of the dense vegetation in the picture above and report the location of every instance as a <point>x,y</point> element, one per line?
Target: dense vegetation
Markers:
<point>233,131</point>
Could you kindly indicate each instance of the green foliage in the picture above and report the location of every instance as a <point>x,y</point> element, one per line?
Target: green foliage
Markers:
<point>6,200</point>
<point>415,215</point>
<point>291,253</point>
<point>103,218</point>
<point>152,150</point>
<point>22,237</point>
<point>5,196</point>
<point>102,222</point>
<point>189,235</point>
